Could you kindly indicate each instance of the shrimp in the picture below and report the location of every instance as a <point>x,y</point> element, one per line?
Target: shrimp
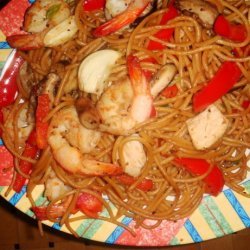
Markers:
<point>69,141</point>
<point>55,211</point>
<point>48,23</point>
<point>128,16</point>
<point>127,103</point>
<point>116,7</point>
<point>45,13</point>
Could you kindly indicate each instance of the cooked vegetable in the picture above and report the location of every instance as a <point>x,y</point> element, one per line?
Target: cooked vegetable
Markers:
<point>214,181</point>
<point>227,75</point>
<point>234,32</point>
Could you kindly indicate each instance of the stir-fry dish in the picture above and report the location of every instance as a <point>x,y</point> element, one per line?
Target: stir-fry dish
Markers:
<point>129,107</point>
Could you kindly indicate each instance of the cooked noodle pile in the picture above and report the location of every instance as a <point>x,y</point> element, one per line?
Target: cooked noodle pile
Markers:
<point>197,54</point>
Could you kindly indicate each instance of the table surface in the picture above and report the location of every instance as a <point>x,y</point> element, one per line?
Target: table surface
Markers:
<point>19,232</point>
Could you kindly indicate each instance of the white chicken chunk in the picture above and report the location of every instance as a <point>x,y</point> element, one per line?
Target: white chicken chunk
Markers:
<point>207,127</point>
<point>135,158</point>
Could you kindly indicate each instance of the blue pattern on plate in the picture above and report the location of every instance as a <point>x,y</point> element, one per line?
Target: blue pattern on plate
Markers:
<point>237,207</point>
<point>56,226</point>
<point>17,196</point>
<point>192,231</point>
<point>4,45</point>
<point>118,231</point>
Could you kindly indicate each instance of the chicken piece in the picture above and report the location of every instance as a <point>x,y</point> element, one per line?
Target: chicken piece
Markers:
<point>135,158</point>
<point>207,127</point>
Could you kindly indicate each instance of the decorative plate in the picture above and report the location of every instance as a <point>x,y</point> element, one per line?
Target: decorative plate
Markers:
<point>215,217</point>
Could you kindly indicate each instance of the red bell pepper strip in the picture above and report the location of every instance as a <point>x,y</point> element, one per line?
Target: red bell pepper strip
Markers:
<point>30,151</point>
<point>43,108</point>
<point>170,91</point>
<point>214,180</point>
<point>92,5</point>
<point>153,112</point>
<point>242,51</point>
<point>8,86</point>
<point>145,185</point>
<point>225,78</point>
<point>32,139</point>
<point>245,104</point>
<point>89,204</point>
<point>40,213</point>
<point>164,34</point>
<point>234,32</point>
<point>6,167</point>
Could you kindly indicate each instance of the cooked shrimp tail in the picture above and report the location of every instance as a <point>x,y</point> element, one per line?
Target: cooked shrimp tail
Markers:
<point>26,41</point>
<point>54,212</point>
<point>142,104</point>
<point>137,78</point>
<point>70,142</point>
<point>98,168</point>
<point>135,8</point>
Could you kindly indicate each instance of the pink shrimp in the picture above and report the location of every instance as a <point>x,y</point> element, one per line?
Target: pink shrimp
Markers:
<point>142,104</point>
<point>126,103</point>
<point>135,8</point>
<point>54,212</point>
<point>70,142</point>
<point>47,23</point>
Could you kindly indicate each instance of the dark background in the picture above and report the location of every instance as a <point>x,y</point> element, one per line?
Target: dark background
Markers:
<point>20,232</point>
<point>3,2</point>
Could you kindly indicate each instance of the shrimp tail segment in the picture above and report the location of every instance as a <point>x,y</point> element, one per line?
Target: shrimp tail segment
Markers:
<point>127,17</point>
<point>142,106</point>
<point>96,168</point>
<point>25,41</point>
<point>138,80</point>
